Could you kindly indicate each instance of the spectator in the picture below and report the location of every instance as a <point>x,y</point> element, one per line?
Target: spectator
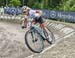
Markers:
<point>2,10</point>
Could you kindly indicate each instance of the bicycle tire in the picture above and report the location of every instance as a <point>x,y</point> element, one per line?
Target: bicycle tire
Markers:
<point>40,49</point>
<point>52,37</point>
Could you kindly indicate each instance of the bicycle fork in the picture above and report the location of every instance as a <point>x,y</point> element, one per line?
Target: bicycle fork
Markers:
<point>34,37</point>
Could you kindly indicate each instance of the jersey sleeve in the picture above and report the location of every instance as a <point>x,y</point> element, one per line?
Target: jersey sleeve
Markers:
<point>32,13</point>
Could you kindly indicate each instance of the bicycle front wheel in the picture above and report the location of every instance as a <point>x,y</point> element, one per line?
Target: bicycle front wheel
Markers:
<point>34,41</point>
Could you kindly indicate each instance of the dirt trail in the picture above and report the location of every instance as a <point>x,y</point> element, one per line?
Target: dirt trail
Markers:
<point>64,49</point>
<point>12,43</point>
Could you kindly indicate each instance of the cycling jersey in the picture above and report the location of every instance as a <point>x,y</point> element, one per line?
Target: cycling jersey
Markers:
<point>33,13</point>
<point>37,18</point>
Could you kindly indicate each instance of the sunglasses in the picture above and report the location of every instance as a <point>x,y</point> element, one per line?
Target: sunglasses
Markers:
<point>24,12</point>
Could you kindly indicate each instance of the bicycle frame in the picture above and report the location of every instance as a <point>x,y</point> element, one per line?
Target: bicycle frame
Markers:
<point>40,31</point>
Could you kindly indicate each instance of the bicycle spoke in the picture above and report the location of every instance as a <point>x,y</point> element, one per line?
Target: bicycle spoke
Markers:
<point>34,42</point>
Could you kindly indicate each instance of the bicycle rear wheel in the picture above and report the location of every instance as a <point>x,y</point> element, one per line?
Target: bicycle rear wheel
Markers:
<point>34,41</point>
<point>51,38</point>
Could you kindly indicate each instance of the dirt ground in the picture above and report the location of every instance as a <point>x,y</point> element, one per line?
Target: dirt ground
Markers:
<point>12,44</point>
<point>64,49</point>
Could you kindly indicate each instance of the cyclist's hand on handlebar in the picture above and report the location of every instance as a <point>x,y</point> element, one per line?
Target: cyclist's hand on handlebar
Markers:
<point>23,27</point>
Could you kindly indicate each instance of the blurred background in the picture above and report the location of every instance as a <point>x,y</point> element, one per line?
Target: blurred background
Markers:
<point>14,7</point>
<point>69,5</point>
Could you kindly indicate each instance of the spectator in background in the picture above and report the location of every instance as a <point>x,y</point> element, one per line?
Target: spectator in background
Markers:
<point>2,10</point>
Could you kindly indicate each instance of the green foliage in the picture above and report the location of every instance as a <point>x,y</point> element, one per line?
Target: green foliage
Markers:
<point>63,5</point>
<point>67,5</point>
<point>36,5</point>
<point>2,3</point>
<point>15,3</point>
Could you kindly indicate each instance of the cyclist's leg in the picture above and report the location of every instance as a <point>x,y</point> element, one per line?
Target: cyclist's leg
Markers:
<point>34,21</point>
<point>43,24</point>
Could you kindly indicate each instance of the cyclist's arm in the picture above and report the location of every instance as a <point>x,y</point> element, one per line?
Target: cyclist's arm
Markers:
<point>39,12</point>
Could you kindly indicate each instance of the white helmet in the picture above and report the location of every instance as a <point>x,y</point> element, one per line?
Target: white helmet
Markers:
<point>23,7</point>
<point>26,8</point>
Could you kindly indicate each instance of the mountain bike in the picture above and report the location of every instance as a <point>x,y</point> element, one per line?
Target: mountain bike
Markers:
<point>35,37</point>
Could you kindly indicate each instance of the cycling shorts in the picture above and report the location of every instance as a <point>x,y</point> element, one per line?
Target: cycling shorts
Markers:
<point>40,21</point>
